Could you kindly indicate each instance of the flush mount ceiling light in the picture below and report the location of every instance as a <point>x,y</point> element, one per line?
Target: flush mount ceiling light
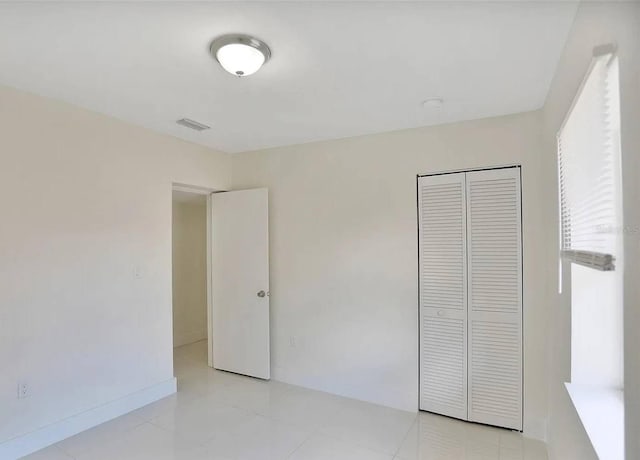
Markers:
<point>240,55</point>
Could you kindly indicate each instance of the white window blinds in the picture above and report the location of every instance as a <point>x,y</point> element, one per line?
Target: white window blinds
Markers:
<point>589,169</point>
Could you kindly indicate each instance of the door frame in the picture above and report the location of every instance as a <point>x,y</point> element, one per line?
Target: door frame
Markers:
<point>198,190</point>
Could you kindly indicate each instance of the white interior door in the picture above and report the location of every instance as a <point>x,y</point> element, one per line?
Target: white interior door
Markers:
<point>495,297</point>
<point>240,282</point>
<point>443,294</point>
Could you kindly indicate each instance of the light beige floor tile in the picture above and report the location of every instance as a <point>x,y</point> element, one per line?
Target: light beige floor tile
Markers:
<point>200,421</point>
<point>145,442</point>
<point>101,434</point>
<point>321,447</point>
<point>308,409</point>
<point>218,415</point>
<point>164,406</point>
<point>434,437</point>
<point>260,439</point>
<point>370,426</point>
<point>50,453</point>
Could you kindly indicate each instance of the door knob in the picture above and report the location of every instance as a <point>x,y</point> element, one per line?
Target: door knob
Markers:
<point>262,294</point>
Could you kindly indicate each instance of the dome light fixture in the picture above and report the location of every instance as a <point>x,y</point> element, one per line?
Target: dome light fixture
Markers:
<point>240,54</point>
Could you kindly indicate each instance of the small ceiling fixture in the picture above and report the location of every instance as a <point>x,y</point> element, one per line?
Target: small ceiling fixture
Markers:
<point>239,54</point>
<point>192,124</point>
<point>433,104</point>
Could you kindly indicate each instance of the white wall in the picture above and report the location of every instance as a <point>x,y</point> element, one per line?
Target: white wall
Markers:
<point>595,24</point>
<point>344,254</point>
<point>189,269</point>
<point>84,200</point>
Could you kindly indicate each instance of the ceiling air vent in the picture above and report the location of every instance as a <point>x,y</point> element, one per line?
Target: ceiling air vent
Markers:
<point>192,124</point>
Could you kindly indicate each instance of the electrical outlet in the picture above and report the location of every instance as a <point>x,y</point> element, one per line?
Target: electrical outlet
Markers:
<point>24,391</point>
<point>293,341</point>
<point>138,272</point>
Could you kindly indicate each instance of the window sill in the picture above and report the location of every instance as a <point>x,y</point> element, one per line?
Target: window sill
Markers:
<point>601,410</point>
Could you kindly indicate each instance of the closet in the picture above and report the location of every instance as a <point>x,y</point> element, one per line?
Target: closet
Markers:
<point>470,280</point>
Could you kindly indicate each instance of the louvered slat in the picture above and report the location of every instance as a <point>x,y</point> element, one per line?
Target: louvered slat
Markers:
<point>443,300</point>
<point>495,297</point>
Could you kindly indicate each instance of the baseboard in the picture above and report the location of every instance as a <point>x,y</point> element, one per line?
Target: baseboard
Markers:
<point>55,432</point>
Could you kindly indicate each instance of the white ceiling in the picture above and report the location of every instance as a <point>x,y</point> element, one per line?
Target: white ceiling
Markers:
<point>338,69</point>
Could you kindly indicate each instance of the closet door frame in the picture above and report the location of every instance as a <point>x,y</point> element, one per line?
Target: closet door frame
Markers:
<point>518,167</point>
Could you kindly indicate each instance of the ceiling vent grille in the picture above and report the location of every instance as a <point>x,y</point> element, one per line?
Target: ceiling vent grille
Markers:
<point>192,124</point>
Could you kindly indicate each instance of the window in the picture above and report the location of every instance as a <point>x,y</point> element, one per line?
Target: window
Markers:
<point>589,158</point>
<point>589,170</point>
<point>591,222</point>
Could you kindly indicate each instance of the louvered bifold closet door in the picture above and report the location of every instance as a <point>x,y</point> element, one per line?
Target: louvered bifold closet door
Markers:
<point>443,299</point>
<point>495,297</point>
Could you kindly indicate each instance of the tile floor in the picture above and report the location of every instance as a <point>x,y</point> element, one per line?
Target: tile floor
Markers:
<point>220,416</point>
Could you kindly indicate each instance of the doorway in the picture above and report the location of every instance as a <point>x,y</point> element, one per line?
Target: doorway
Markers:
<point>220,244</point>
<point>190,273</point>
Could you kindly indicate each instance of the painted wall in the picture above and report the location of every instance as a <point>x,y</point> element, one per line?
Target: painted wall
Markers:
<point>344,254</point>
<point>85,201</point>
<point>189,269</point>
<point>596,23</point>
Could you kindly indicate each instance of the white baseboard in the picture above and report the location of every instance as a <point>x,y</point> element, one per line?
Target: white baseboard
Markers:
<point>55,432</point>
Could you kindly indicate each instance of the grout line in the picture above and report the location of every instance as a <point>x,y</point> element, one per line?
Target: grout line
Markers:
<point>311,433</point>
<point>63,453</point>
<point>406,435</point>
<point>313,429</point>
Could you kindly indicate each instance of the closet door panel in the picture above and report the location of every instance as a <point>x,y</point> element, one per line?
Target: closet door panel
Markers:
<point>443,298</point>
<point>495,297</point>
